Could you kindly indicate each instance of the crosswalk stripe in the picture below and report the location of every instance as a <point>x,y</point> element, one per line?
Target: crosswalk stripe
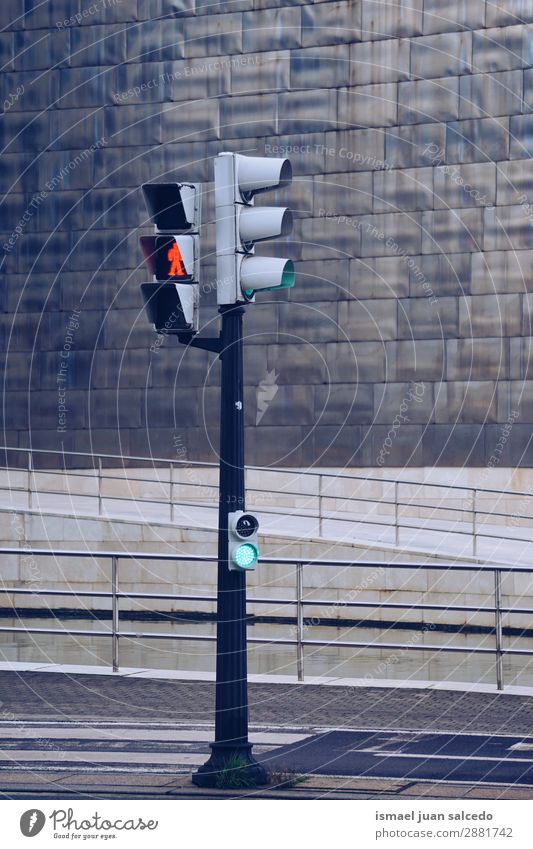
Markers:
<point>137,769</point>
<point>117,747</point>
<point>87,758</point>
<point>163,736</point>
<point>428,756</point>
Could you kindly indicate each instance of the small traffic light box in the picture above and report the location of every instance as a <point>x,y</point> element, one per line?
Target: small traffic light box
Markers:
<point>172,256</point>
<point>243,547</point>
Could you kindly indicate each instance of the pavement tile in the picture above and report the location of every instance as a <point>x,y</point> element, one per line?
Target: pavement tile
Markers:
<point>499,793</point>
<point>116,779</point>
<point>38,779</point>
<point>440,791</point>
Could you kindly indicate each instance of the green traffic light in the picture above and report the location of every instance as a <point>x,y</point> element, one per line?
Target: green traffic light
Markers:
<point>246,556</point>
<point>288,276</point>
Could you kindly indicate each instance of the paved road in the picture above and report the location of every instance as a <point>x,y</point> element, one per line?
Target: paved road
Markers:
<point>99,734</point>
<point>411,755</point>
<point>132,760</point>
<point>162,749</point>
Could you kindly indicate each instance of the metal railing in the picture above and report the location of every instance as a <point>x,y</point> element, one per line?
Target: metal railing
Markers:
<point>299,601</point>
<point>321,498</point>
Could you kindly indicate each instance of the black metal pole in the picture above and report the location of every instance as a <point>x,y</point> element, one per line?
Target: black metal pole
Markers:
<point>231,749</point>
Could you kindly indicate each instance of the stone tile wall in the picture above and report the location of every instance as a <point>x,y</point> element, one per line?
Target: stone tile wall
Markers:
<point>409,125</point>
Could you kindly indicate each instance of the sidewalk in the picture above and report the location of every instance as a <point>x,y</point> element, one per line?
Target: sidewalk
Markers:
<point>94,736</point>
<point>61,696</point>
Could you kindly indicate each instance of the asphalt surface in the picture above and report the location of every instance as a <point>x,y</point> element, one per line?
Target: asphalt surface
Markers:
<point>427,757</point>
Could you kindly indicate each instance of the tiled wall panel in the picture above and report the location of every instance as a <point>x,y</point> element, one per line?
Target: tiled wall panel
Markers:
<point>410,132</point>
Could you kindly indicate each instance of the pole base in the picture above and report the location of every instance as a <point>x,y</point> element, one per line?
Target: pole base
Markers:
<point>230,767</point>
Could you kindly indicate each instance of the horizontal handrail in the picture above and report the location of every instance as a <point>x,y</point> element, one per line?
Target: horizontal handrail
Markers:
<point>274,469</point>
<point>324,603</point>
<point>264,559</point>
<point>378,521</point>
<point>281,641</point>
<point>299,601</point>
<point>95,554</point>
<point>381,521</point>
<point>471,520</point>
<point>256,490</point>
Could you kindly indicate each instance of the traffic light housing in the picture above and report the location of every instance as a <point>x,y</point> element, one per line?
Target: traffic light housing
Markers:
<point>173,207</point>
<point>240,224</point>
<point>172,256</point>
<point>243,547</point>
<point>171,308</point>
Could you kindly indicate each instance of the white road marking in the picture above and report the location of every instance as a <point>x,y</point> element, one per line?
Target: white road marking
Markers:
<point>90,768</point>
<point>429,732</point>
<point>163,736</point>
<point>428,757</point>
<point>88,758</point>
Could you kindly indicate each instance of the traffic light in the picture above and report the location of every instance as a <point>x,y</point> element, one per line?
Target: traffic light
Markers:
<point>243,549</point>
<point>172,256</point>
<point>240,224</point>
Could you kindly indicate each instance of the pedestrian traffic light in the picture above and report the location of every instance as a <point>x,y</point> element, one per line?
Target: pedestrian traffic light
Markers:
<point>243,549</point>
<point>172,256</point>
<point>240,224</point>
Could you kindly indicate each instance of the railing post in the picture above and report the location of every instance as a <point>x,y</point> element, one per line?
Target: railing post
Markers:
<point>172,493</point>
<point>396,516</point>
<point>99,486</point>
<point>30,469</point>
<point>320,523</point>
<point>299,622</point>
<point>474,525</point>
<point>498,627</point>
<point>114,607</point>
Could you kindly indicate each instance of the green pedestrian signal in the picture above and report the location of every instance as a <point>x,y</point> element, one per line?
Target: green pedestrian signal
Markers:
<point>243,549</point>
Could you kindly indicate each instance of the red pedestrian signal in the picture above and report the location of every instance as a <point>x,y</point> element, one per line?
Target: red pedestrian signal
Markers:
<point>177,269</point>
<point>168,258</point>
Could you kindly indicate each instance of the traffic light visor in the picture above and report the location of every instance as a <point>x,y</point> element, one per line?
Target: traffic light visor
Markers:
<point>170,205</point>
<point>266,274</point>
<point>259,174</point>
